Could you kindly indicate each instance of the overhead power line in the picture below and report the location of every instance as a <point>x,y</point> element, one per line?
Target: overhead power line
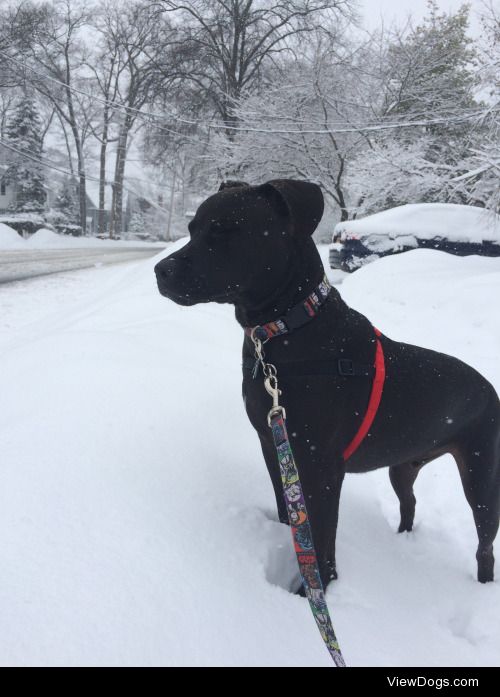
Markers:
<point>107,102</point>
<point>366,127</point>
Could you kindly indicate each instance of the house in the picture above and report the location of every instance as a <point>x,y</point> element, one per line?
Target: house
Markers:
<point>144,217</point>
<point>93,217</point>
<point>71,192</point>
<point>55,181</point>
<point>92,195</point>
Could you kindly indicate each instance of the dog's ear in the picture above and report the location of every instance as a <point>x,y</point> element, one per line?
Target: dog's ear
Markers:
<point>303,201</point>
<point>230,183</point>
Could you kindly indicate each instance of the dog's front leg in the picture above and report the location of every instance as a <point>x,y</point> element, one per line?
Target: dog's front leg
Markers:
<point>321,480</point>
<point>269,452</point>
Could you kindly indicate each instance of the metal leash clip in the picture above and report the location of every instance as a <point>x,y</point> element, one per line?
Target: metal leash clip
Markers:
<point>270,379</point>
<point>271,385</point>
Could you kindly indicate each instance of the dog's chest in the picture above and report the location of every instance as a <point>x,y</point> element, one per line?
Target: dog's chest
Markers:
<point>326,400</point>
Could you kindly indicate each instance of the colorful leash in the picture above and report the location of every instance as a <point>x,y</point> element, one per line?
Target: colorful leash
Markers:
<point>297,512</point>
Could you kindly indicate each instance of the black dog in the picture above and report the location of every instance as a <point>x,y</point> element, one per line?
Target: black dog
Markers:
<point>251,246</point>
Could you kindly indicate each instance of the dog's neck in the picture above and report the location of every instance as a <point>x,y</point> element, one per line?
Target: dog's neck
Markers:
<point>305,272</point>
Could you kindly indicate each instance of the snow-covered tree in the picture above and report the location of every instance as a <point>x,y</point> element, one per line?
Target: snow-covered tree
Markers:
<point>232,43</point>
<point>67,202</point>
<point>429,69</point>
<point>427,117</point>
<point>394,172</point>
<point>481,176</point>
<point>300,123</point>
<point>136,225</point>
<point>58,56</point>
<point>393,134</point>
<point>24,136</point>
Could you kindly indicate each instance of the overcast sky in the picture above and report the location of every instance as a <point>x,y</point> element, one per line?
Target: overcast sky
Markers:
<point>389,10</point>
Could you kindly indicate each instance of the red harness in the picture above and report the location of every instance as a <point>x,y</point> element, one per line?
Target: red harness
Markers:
<point>373,402</point>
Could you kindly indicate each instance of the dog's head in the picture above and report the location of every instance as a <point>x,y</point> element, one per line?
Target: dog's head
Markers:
<point>242,238</point>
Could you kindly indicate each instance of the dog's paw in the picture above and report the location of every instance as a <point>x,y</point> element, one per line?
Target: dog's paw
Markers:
<point>405,526</point>
<point>281,567</point>
<point>276,516</point>
<point>330,573</point>
<point>485,568</point>
<point>332,576</point>
<point>301,591</point>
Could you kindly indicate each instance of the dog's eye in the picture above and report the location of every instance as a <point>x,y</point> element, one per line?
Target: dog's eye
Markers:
<point>217,230</point>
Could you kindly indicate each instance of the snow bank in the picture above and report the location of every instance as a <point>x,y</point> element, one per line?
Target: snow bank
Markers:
<point>137,522</point>
<point>48,239</point>
<point>428,220</point>
<point>10,239</point>
<point>45,238</point>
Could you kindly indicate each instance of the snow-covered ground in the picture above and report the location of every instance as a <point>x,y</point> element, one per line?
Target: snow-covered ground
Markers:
<point>136,517</point>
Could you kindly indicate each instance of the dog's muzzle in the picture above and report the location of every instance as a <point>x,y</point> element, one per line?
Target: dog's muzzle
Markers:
<point>176,281</point>
<point>171,278</point>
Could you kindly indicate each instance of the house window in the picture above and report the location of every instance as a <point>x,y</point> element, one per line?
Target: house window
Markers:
<point>2,187</point>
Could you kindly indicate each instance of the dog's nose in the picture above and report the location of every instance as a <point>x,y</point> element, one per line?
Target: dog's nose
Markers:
<point>167,268</point>
<point>164,269</point>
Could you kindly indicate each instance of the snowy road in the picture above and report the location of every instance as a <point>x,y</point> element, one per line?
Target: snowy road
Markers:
<point>17,265</point>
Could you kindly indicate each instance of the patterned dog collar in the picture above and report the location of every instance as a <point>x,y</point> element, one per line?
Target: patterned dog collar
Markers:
<point>299,315</point>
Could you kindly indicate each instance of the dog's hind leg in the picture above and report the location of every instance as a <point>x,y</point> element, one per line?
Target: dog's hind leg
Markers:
<point>479,467</point>
<point>402,479</point>
<point>478,460</point>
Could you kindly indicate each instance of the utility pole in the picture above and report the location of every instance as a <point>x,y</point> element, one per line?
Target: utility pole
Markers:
<point>172,192</point>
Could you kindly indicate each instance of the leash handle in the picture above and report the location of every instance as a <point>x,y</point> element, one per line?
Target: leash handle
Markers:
<point>297,512</point>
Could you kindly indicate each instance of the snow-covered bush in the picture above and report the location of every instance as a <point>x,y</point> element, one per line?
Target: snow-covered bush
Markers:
<point>26,224</point>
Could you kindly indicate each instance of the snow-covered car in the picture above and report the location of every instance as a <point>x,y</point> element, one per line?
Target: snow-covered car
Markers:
<point>449,227</point>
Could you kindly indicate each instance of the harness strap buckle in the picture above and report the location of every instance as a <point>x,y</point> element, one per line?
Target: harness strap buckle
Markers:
<point>346,367</point>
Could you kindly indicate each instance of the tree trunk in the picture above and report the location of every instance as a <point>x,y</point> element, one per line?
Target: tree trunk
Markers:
<point>102,181</point>
<point>171,208</point>
<point>116,224</point>
<point>83,201</point>
<point>82,195</point>
<point>344,213</point>
<point>79,149</point>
